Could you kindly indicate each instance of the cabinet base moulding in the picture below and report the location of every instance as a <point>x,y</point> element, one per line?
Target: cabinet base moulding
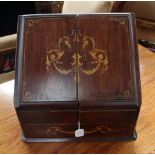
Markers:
<point>83,139</point>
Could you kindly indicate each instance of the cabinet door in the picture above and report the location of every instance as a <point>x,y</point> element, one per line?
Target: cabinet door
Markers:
<point>48,60</point>
<point>107,61</point>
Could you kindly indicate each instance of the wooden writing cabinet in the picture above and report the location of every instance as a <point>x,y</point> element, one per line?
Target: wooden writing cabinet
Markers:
<point>77,69</point>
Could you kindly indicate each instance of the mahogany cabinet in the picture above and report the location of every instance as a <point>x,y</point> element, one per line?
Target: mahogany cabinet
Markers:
<point>77,71</point>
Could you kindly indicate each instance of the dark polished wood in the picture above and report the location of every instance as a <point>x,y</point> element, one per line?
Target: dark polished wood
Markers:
<point>77,68</point>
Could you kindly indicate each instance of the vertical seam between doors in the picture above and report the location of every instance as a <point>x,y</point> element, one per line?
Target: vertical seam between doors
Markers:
<point>77,70</point>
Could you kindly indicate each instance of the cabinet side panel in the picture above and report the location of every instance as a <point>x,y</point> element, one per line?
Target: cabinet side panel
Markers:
<point>18,60</point>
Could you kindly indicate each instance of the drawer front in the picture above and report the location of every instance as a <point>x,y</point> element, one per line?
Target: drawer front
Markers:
<point>44,116</point>
<point>106,117</point>
<point>48,131</point>
<point>109,130</point>
<point>55,131</point>
<point>109,124</point>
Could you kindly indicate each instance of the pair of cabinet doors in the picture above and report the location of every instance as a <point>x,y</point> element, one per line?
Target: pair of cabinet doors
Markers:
<point>77,58</point>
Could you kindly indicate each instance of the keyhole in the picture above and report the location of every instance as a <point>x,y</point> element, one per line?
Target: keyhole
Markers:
<point>84,57</point>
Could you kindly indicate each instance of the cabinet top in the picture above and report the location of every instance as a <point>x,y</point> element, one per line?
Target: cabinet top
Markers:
<point>77,57</point>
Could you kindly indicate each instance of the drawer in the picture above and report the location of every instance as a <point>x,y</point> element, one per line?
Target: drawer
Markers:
<point>109,116</point>
<point>48,131</point>
<point>60,131</point>
<point>123,130</point>
<point>46,116</point>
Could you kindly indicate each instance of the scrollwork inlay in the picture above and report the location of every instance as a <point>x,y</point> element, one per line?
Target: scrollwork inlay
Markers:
<point>56,130</point>
<point>127,92</point>
<point>88,59</point>
<point>97,57</point>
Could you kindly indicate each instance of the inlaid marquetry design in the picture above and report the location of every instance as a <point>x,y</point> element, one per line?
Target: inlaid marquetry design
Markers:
<point>30,24</point>
<point>30,96</point>
<point>88,59</point>
<point>56,130</point>
<point>127,92</point>
<point>94,58</point>
<point>121,21</point>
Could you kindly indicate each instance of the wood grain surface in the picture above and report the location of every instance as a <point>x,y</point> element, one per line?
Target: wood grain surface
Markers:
<point>111,41</point>
<point>10,131</point>
<point>41,80</point>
